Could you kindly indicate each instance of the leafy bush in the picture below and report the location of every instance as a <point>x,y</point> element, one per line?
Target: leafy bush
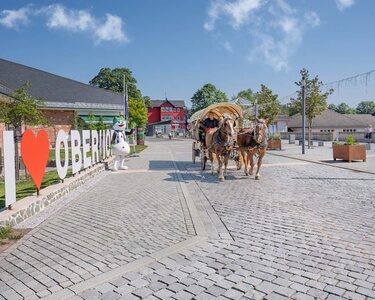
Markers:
<point>274,136</point>
<point>350,140</point>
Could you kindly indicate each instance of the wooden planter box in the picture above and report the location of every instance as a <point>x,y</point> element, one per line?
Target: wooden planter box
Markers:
<point>274,144</point>
<point>349,152</point>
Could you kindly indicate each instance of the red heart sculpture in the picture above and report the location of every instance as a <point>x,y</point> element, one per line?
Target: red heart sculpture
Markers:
<point>35,152</point>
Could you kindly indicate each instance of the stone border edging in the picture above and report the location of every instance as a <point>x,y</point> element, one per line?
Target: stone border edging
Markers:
<point>31,205</point>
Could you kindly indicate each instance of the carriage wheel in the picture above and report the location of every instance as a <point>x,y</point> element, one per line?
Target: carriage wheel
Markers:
<point>203,159</point>
<point>193,152</point>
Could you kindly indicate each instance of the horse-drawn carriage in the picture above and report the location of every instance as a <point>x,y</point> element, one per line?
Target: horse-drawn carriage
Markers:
<point>228,141</point>
<point>220,111</point>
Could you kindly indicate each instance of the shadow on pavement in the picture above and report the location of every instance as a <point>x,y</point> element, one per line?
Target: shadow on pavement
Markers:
<point>331,161</point>
<point>193,172</point>
<point>161,165</point>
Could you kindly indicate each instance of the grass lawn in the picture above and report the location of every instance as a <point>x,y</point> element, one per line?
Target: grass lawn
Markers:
<point>138,148</point>
<point>7,234</point>
<point>26,188</point>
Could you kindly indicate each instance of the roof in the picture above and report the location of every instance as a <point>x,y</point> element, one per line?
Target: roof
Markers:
<point>175,103</point>
<point>56,91</point>
<point>367,119</point>
<point>332,119</point>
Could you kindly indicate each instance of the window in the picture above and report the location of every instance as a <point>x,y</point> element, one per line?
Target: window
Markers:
<point>178,109</point>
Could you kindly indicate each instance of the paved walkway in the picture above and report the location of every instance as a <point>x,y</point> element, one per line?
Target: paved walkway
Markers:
<point>323,154</point>
<point>164,229</point>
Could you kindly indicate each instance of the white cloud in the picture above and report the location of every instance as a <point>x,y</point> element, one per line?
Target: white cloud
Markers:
<point>14,18</point>
<point>274,53</point>
<point>59,17</point>
<point>111,30</point>
<point>75,20</point>
<point>276,29</point>
<point>238,11</point>
<point>342,4</point>
<point>312,18</point>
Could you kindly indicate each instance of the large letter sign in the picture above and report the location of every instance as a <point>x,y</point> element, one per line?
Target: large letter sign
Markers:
<point>86,148</point>
<point>94,147</point>
<point>35,153</point>
<point>62,137</point>
<point>76,151</point>
<point>9,168</point>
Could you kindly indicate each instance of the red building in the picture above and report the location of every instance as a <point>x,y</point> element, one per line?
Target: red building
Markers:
<point>165,116</point>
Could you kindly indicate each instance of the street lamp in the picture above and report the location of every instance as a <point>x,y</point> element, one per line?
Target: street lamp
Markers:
<point>303,113</point>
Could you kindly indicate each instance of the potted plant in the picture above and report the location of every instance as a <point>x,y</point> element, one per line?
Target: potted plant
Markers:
<point>274,142</point>
<point>349,150</point>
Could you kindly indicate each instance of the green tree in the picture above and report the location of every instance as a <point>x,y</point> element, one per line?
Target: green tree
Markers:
<point>147,101</point>
<point>246,100</point>
<point>91,122</point>
<point>100,125</point>
<point>315,99</point>
<point>137,112</point>
<point>114,80</point>
<point>269,106</point>
<point>285,109</point>
<point>344,108</point>
<point>21,109</point>
<point>206,96</point>
<point>366,107</point>
<point>332,107</point>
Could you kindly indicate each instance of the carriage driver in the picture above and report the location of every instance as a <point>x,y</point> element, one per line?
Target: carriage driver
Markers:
<point>207,126</point>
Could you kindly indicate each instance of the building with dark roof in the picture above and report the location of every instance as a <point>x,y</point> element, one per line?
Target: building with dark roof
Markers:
<point>340,125</point>
<point>64,98</point>
<point>165,116</point>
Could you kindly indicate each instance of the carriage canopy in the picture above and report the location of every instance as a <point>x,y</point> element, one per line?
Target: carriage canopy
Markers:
<point>218,109</point>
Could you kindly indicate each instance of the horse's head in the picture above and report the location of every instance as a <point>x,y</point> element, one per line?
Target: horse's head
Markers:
<point>226,126</point>
<point>261,131</point>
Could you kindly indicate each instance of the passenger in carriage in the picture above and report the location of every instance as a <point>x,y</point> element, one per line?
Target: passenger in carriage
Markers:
<point>207,125</point>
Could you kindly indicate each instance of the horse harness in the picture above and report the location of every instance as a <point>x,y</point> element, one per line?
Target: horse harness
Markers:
<point>253,143</point>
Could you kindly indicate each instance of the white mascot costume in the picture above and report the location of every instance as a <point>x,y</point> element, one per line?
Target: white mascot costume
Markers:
<point>120,148</point>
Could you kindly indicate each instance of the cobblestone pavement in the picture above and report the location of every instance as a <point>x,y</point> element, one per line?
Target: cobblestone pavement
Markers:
<point>122,218</point>
<point>303,231</point>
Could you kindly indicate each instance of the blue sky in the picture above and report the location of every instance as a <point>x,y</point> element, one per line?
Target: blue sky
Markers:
<point>177,46</point>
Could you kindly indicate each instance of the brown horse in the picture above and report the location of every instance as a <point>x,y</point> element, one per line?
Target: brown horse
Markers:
<point>221,143</point>
<point>253,142</point>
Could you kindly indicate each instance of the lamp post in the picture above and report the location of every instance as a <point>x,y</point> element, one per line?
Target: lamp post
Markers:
<point>303,113</point>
